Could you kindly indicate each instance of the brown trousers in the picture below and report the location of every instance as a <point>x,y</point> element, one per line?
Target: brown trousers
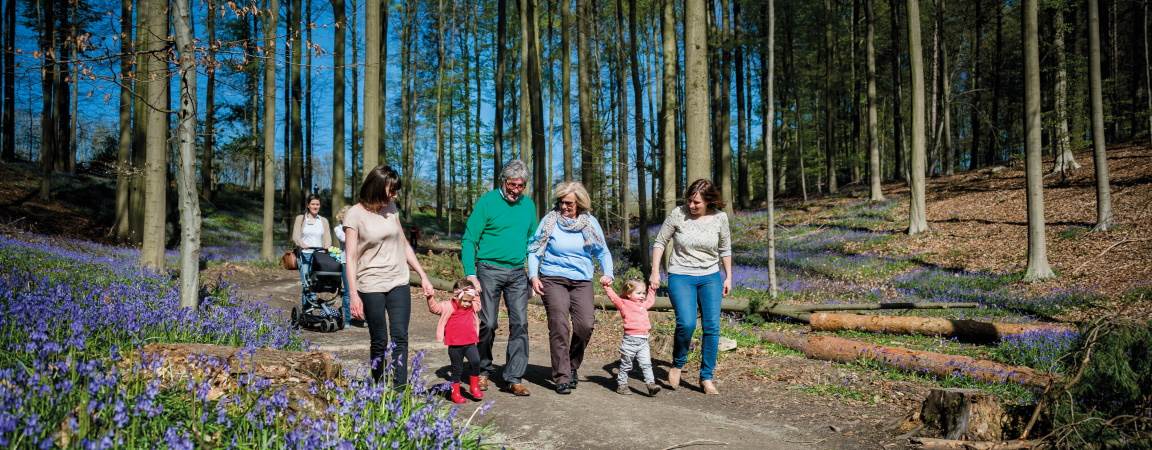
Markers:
<point>571,319</point>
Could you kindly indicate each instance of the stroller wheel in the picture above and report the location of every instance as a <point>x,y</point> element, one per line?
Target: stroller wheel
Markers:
<point>329,325</point>
<point>340,320</point>
<point>295,323</point>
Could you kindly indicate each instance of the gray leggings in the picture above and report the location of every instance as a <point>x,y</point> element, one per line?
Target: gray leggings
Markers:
<point>635,347</point>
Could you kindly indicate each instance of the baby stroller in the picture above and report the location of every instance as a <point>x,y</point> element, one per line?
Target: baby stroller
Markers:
<point>321,311</point>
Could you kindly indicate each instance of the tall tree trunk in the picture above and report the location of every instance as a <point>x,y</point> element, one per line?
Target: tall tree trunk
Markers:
<point>155,169</point>
<point>338,106</point>
<point>668,106</point>
<point>121,228</point>
<point>975,155</point>
<point>1147,69</point>
<point>725,131</point>
<point>140,111</point>
<point>9,119</point>
<point>742,184</point>
<point>189,201</point>
<point>589,140</point>
<point>1065,160</point>
<point>382,116</point>
<point>206,169</point>
<point>273,6</point>
<point>829,116</point>
<point>993,149</point>
<point>875,190</point>
<point>622,129</point>
<point>641,181</point>
<point>479,105</point>
<point>897,100</point>
<point>373,68</point>
<point>767,61</point>
<point>294,179</point>
<point>566,87</point>
<point>467,113</point>
<point>356,161</point>
<point>917,209</point>
<point>944,137</point>
<point>1038,268</point>
<point>48,74</point>
<point>498,119</point>
<point>440,18</point>
<point>539,161</point>
<point>410,95</point>
<point>697,128</point>
<point>1099,154</point>
<point>790,61</point>
<point>308,136</point>
<point>523,130</point>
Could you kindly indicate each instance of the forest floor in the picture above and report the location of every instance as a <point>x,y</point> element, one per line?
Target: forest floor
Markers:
<point>832,249</point>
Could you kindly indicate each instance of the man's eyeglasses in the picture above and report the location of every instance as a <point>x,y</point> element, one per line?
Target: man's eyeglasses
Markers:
<point>511,185</point>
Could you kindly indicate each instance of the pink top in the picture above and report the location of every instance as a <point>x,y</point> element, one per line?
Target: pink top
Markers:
<point>445,310</point>
<point>635,313</point>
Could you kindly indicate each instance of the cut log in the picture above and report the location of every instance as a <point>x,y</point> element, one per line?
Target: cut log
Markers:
<point>964,414</point>
<point>830,348</point>
<point>967,330</point>
<point>798,312</point>
<point>223,367</point>
<point>949,444</point>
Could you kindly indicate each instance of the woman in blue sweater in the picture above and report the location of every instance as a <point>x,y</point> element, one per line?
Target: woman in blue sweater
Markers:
<point>560,259</point>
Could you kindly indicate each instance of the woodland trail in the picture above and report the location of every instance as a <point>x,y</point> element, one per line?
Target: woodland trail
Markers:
<point>593,416</point>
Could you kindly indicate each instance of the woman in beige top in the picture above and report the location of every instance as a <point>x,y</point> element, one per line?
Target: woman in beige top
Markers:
<point>701,243</point>
<point>378,260</point>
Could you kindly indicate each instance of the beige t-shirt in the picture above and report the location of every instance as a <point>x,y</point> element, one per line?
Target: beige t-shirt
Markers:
<point>382,265</point>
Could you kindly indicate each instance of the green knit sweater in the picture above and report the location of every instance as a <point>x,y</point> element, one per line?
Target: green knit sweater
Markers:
<point>497,232</point>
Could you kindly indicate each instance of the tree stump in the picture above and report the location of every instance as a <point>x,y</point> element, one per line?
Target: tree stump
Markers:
<point>964,414</point>
<point>223,367</point>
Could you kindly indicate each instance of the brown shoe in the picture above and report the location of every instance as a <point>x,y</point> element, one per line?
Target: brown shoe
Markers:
<point>709,387</point>
<point>519,390</point>
<point>674,378</point>
<point>483,382</point>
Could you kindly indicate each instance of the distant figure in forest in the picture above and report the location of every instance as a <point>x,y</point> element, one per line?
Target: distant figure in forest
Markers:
<point>378,259</point>
<point>309,232</point>
<point>492,252</point>
<point>701,241</point>
<point>633,308</point>
<point>561,257</point>
<point>459,329</point>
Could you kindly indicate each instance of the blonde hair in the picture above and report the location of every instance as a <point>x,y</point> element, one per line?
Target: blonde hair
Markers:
<point>583,200</point>
<point>343,211</point>
<point>633,284</point>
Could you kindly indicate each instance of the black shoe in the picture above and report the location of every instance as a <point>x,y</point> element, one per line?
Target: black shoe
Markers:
<point>357,323</point>
<point>563,389</point>
<point>573,380</point>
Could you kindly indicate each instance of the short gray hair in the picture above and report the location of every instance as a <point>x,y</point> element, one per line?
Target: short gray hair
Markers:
<point>515,169</point>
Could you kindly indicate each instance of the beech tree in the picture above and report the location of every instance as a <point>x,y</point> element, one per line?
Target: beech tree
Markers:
<point>189,201</point>
<point>917,208</point>
<point>269,129</point>
<point>875,189</point>
<point>156,141</point>
<point>1099,153</point>
<point>696,124</point>
<point>1038,268</point>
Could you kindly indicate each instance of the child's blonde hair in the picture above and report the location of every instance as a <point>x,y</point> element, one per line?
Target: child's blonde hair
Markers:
<point>634,284</point>
<point>343,211</point>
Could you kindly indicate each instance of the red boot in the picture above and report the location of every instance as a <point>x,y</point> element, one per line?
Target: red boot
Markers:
<point>455,394</point>
<point>474,387</point>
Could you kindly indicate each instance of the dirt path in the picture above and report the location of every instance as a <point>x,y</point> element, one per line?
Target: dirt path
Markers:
<point>594,416</point>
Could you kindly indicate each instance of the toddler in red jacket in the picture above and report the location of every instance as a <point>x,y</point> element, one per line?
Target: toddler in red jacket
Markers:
<point>459,329</point>
<point>634,310</point>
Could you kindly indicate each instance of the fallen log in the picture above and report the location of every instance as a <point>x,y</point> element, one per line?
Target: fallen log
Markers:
<point>830,348</point>
<point>968,330</point>
<point>950,444</point>
<point>795,311</point>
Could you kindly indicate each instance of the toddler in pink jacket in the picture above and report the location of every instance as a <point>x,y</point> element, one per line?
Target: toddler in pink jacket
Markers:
<point>634,310</point>
<point>459,328</point>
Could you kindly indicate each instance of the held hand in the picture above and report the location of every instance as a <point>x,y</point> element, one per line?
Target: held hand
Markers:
<point>356,307</point>
<point>727,286</point>
<point>426,286</point>
<point>538,287</point>
<point>605,280</point>
<point>475,282</point>
<point>654,279</point>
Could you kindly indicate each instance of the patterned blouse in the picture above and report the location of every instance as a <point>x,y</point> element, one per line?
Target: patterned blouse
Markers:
<point>697,244</point>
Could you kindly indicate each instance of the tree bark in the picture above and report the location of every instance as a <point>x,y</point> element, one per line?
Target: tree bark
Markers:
<point>622,129</point>
<point>668,106</point>
<point>294,178</point>
<point>1147,69</point>
<point>566,87</point>
<point>641,180</point>
<point>440,65</point>
<point>48,74</point>
<point>724,134</point>
<point>975,154</point>
<point>964,330</point>
<point>742,185</point>
<point>589,133</point>
<point>372,95</point>
<point>696,123</point>
<point>1038,268</point>
<point>897,101</point>
<point>338,106</point>
<point>124,169</point>
<point>535,120</point>
<point>917,209</point>
<point>408,105</point>
<point>1065,160</point>
<point>993,149</point>
<point>9,118</point>
<point>829,116</point>
<point>156,143</point>
<point>875,189</point>
<point>382,134</point>
<point>189,201</point>
<point>309,141</point>
<point>498,119</point>
<point>1099,153</point>
<point>356,161</point>
<point>207,170</point>
<point>266,252</point>
<point>767,61</point>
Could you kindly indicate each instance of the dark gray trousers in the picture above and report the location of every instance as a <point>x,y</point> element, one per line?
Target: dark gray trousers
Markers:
<point>571,319</point>
<point>513,285</point>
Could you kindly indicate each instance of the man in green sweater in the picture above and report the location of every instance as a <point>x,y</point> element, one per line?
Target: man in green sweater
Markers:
<point>493,251</point>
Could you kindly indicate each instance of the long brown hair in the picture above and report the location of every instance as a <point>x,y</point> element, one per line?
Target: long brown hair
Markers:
<point>708,192</point>
<point>380,185</point>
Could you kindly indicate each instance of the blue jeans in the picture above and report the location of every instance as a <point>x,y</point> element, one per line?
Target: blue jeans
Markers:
<point>305,265</point>
<point>346,301</point>
<point>689,295</point>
